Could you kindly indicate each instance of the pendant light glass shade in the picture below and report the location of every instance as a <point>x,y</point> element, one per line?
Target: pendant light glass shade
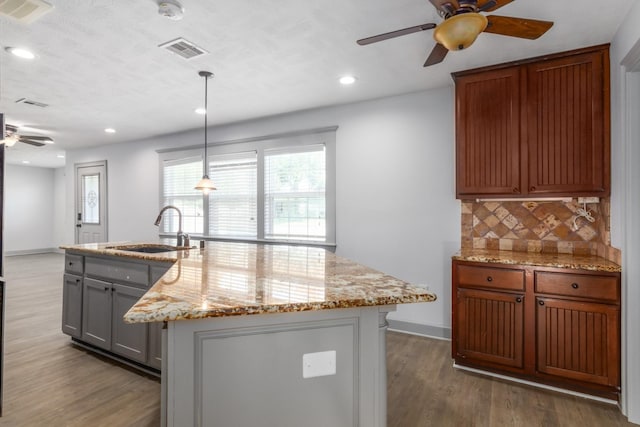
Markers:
<point>205,184</point>
<point>460,31</point>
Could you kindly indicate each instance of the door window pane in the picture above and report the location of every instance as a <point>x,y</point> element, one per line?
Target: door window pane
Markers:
<point>91,199</point>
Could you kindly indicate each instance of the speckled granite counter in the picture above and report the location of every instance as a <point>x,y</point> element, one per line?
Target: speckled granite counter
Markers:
<point>582,262</point>
<point>228,279</point>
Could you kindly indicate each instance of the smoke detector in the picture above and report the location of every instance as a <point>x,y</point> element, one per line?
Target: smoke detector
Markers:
<point>171,9</point>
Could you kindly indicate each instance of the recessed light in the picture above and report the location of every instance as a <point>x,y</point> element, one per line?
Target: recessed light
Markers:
<point>347,80</point>
<point>60,156</point>
<point>110,130</point>
<point>26,162</point>
<point>20,53</point>
<point>200,111</point>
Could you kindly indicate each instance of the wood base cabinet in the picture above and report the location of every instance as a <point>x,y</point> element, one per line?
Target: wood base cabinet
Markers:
<point>550,325</point>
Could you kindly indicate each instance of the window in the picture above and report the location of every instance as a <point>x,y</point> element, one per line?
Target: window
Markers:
<point>294,200</point>
<point>233,206</point>
<point>178,177</point>
<point>268,189</point>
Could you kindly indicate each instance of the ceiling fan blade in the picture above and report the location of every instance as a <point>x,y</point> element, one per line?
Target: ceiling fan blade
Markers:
<point>517,27</point>
<point>397,33</point>
<point>491,5</point>
<point>437,55</point>
<point>34,143</point>
<point>37,138</point>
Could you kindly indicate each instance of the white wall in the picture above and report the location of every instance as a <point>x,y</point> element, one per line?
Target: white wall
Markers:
<point>59,206</point>
<point>29,213</point>
<point>396,206</point>
<point>625,202</point>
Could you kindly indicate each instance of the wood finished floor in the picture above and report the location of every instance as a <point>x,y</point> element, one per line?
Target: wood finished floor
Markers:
<point>49,382</point>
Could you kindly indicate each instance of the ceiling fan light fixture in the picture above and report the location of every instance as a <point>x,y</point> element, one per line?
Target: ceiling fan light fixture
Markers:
<point>10,140</point>
<point>460,31</point>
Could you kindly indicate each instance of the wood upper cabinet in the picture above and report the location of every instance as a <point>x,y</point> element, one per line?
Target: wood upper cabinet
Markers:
<point>567,116</point>
<point>535,128</point>
<point>488,133</point>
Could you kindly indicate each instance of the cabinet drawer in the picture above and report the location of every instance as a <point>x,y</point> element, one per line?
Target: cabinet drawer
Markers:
<point>117,271</point>
<point>577,285</point>
<point>487,277</point>
<point>73,264</point>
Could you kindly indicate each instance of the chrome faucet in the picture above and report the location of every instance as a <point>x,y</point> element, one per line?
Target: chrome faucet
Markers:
<point>183,238</point>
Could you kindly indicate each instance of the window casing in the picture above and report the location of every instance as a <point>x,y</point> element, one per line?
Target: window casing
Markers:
<point>276,188</point>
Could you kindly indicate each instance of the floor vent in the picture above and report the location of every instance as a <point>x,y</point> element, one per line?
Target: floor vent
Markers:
<point>183,48</point>
<point>25,11</point>
<point>31,102</point>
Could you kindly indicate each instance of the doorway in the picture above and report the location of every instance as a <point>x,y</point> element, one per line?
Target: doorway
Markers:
<point>91,202</point>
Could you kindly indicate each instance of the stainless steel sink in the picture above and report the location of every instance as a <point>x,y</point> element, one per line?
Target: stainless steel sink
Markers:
<point>147,249</point>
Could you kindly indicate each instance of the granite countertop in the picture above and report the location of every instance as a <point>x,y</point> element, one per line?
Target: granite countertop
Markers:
<point>229,279</point>
<point>116,249</point>
<point>581,262</point>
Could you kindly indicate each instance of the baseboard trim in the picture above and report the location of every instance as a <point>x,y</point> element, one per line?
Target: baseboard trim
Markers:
<point>419,329</point>
<point>32,252</point>
<point>537,385</point>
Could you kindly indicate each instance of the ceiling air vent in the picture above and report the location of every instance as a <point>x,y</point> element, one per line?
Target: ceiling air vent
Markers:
<point>31,102</point>
<point>25,11</point>
<point>183,48</point>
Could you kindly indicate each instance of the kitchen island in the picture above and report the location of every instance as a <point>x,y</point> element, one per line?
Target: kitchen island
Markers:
<point>271,335</point>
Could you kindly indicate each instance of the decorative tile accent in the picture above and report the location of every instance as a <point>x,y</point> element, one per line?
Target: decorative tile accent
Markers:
<point>535,226</point>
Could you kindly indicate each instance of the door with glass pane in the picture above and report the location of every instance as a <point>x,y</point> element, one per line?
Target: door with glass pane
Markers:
<point>91,202</point>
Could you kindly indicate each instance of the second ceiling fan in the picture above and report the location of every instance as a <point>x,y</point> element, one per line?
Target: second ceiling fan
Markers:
<point>463,22</point>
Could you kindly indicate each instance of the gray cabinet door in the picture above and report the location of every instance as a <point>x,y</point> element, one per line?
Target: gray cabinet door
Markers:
<point>72,305</point>
<point>155,345</point>
<point>96,313</point>
<point>129,340</point>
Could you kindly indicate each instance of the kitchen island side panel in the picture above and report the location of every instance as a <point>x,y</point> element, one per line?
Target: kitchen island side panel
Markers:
<point>248,370</point>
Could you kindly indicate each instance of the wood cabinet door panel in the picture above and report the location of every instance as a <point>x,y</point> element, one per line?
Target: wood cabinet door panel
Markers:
<point>566,126</point>
<point>488,133</point>
<point>578,340</point>
<point>489,327</point>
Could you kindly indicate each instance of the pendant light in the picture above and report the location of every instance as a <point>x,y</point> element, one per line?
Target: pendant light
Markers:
<point>205,184</point>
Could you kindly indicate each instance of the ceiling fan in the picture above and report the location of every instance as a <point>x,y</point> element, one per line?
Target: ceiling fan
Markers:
<point>463,22</point>
<point>12,135</point>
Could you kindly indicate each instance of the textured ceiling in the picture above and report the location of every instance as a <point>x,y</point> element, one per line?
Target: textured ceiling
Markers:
<point>98,62</point>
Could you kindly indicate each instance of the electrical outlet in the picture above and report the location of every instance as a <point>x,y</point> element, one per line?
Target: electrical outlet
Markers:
<point>588,200</point>
<point>319,364</point>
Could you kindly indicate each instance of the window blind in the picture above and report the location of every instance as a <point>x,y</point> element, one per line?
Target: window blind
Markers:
<point>233,206</point>
<point>178,179</point>
<point>294,187</point>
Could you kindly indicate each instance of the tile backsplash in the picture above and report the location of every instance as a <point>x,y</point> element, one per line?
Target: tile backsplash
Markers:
<point>538,226</point>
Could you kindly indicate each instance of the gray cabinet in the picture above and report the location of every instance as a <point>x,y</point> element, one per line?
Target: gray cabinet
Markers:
<point>72,305</point>
<point>97,292</point>
<point>96,313</point>
<point>154,358</point>
<point>129,340</point>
